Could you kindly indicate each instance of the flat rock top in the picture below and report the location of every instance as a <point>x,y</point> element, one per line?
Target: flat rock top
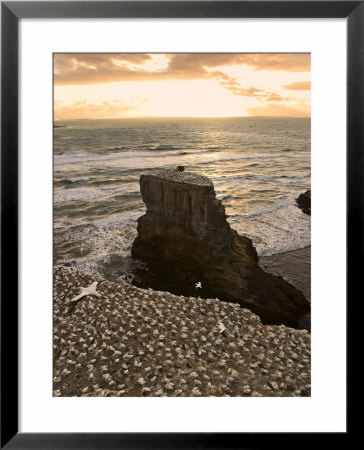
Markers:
<point>182,177</point>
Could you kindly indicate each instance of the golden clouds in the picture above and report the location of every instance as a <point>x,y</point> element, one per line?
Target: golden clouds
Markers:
<point>197,84</point>
<point>298,86</point>
<point>96,68</point>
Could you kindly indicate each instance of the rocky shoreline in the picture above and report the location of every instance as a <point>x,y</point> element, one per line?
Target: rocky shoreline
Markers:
<point>140,342</point>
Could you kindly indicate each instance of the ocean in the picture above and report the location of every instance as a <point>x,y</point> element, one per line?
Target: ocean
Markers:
<point>258,166</point>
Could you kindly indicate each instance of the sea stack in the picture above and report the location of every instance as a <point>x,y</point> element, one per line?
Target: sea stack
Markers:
<point>184,238</point>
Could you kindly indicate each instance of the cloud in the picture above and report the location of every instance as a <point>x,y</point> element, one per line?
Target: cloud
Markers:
<point>278,109</point>
<point>288,62</point>
<point>82,108</point>
<point>97,68</point>
<point>232,85</point>
<point>88,69</point>
<point>198,62</point>
<point>81,62</point>
<point>273,97</point>
<point>260,94</point>
<point>298,86</point>
<point>77,69</point>
<point>246,92</point>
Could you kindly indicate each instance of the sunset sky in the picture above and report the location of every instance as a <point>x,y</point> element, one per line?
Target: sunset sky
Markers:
<point>97,86</point>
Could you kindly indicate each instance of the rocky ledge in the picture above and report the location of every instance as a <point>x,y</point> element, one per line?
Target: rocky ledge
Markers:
<point>138,342</point>
<point>304,202</point>
<point>184,239</point>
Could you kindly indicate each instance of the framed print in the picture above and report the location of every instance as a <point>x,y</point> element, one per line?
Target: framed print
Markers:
<point>158,281</point>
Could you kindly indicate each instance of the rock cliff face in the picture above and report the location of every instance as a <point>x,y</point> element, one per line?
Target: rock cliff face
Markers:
<point>184,238</point>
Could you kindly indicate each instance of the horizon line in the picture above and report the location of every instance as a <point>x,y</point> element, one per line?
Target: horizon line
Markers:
<point>185,117</point>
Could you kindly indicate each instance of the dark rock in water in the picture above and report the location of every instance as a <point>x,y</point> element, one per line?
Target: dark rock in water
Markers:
<point>304,202</point>
<point>184,238</point>
<point>180,168</point>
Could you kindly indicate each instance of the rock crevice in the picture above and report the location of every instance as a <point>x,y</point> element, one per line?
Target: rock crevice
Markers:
<point>184,238</point>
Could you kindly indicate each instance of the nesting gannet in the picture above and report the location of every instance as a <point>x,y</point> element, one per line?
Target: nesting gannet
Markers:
<point>91,290</point>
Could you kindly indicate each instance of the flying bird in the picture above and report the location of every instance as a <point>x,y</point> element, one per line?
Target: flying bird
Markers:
<point>91,290</point>
<point>198,285</point>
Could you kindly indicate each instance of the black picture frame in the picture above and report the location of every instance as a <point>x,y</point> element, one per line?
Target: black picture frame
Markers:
<point>11,12</point>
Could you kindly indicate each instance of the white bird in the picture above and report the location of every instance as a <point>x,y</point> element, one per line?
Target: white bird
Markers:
<point>198,285</point>
<point>91,290</point>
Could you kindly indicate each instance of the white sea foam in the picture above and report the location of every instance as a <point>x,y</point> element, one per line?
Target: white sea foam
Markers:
<point>223,196</point>
<point>102,238</point>
<point>254,177</point>
<point>93,194</point>
<point>156,158</point>
<point>75,180</point>
<point>280,230</point>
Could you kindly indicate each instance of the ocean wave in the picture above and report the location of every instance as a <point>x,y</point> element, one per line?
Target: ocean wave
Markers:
<point>276,229</point>
<point>77,179</point>
<point>102,239</point>
<point>162,147</point>
<point>305,175</point>
<point>223,157</point>
<point>65,159</point>
<point>112,149</point>
<point>252,176</point>
<point>267,210</point>
<point>185,153</point>
<point>211,156</point>
<point>93,194</point>
<point>278,177</point>
<point>223,196</point>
